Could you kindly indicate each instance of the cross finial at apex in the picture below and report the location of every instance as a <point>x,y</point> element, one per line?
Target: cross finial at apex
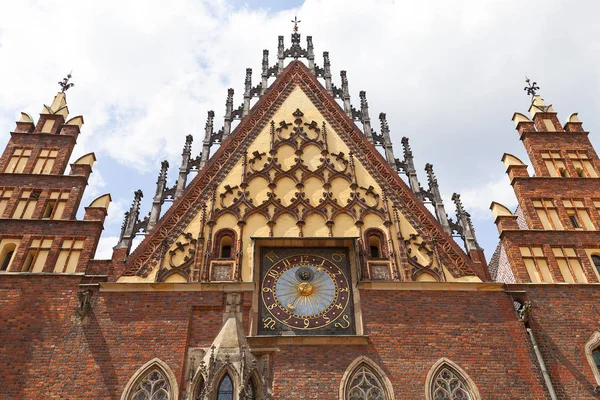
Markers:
<point>64,84</point>
<point>296,21</point>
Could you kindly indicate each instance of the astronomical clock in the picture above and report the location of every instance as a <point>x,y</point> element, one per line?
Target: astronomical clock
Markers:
<point>305,291</point>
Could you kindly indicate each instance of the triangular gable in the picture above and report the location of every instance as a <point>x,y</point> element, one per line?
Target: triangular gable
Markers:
<point>197,194</point>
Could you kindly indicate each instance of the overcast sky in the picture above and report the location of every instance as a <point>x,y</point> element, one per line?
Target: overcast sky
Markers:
<point>449,75</point>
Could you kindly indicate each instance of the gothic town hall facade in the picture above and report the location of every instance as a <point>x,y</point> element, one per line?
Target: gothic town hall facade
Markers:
<point>303,260</point>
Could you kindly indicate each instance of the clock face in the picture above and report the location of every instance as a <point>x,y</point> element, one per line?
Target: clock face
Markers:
<point>306,290</point>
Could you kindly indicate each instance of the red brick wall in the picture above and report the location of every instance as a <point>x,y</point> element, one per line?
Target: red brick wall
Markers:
<point>564,317</point>
<point>53,353</point>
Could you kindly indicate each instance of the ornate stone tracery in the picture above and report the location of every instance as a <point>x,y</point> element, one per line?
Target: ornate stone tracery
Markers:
<point>365,380</point>
<point>234,148</point>
<point>447,381</point>
<point>153,381</point>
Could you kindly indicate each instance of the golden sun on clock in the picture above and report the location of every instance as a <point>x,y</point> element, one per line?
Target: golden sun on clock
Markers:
<point>305,291</point>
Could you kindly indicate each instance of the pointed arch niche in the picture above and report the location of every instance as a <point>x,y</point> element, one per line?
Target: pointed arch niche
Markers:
<point>153,381</point>
<point>447,381</point>
<point>365,380</point>
<point>592,353</point>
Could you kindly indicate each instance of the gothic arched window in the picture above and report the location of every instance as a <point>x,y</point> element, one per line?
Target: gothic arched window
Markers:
<point>375,242</point>
<point>154,386</point>
<point>447,381</point>
<point>365,386</point>
<point>250,390</point>
<point>364,380</point>
<point>225,391</point>
<point>153,381</point>
<point>225,243</point>
<point>592,353</point>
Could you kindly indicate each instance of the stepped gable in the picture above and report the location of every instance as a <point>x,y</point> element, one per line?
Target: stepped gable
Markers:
<point>148,254</point>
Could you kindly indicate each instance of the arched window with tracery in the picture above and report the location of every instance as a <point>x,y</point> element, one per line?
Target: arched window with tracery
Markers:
<point>224,246</point>
<point>364,380</point>
<point>447,381</point>
<point>153,381</point>
<point>225,391</point>
<point>154,386</point>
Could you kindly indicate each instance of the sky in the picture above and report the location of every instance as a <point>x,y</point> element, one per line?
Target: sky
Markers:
<point>449,75</point>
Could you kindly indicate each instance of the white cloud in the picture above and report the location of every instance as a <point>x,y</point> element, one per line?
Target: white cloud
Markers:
<point>477,200</point>
<point>448,74</point>
<point>105,247</point>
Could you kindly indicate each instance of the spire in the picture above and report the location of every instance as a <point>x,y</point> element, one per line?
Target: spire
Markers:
<point>228,114</point>
<point>247,89</point>
<point>364,116</point>
<point>280,55</point>
<point>207,142</point>
<point>467,233</point>
<point>184,169</point>
<point>310,54</point>
<point>157,202</point>
<point>131,219</point>
<point>327,72</point>
<point>387,140</point>
<point>409,165</point>
<point>436,199</point>
<point>346,94</point>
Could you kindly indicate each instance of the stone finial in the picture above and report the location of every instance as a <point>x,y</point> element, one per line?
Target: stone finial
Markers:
<point>409,164</point>
<point>327,72</point>
<point>346,94</point>
<point>247,94</point>
<point>158,196</point>
<point>164,166</point>
<point>310,54</point>
<point>228,114</point>
<point>387,140</point>
<point>265,72</point>
<point>184,169</point>
<point>431,179</point>
<point>207,142</point>
<point>131,219</point>
<point>187,147</point>
<point>406,148</point>
<point>464,221</point>
<point>280,54</point>
<point>364,116</point>
<point>436,199</point>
